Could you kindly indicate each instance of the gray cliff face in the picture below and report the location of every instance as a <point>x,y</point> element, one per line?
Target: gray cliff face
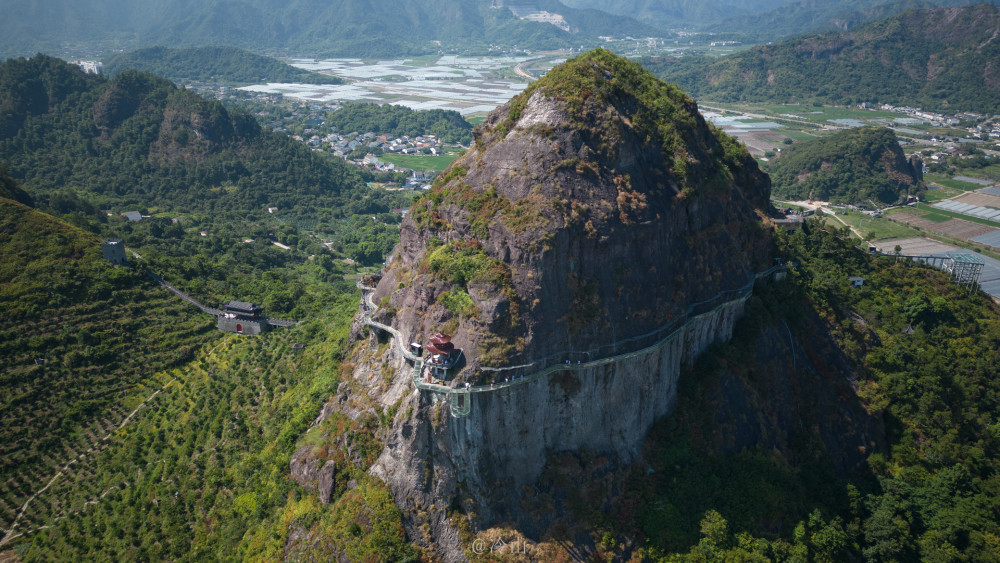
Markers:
<point>485,458</point>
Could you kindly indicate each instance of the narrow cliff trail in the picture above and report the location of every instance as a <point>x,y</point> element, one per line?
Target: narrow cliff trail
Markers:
<point>369,309</point>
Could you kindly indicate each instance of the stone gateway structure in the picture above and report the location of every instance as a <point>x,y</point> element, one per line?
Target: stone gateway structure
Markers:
<point>242,318</point>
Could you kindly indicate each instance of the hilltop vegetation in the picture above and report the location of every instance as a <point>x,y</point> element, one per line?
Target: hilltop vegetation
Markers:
<point>851,166</point>
<point>938,59</point>
<point>447,125</point>
<point>213,64</point>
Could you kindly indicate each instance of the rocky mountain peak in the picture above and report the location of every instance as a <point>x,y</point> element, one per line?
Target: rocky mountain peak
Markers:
<point>595,207</point>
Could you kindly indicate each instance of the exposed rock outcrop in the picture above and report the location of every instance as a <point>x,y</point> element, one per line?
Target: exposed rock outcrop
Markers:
<point>597,216</point>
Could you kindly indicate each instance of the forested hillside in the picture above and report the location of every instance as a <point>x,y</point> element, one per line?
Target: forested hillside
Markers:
<point>938,59</point>
<point>205,175</point>
<point>201,467</point>
<point>860,165</point>
<point>199,471</point>
<point>213,64</point>
<point>810,16</point>
<point>921,355</point>
<point>395,120</point>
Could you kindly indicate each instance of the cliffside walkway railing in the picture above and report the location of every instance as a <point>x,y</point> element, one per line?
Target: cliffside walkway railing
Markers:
<point>543,367</point>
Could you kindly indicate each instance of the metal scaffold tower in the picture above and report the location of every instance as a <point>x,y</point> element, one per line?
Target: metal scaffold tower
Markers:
<point>965,268</point>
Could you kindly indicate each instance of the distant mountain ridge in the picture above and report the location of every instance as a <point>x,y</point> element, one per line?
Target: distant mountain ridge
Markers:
<point>217,64</point>
<point>815,16</point>
<point>764,20</point>
<point>938,59</point>
<point>676,13</point>
<point>380,28</point>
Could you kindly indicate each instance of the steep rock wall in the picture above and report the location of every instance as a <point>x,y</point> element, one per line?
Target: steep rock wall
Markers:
<point>483,459</point>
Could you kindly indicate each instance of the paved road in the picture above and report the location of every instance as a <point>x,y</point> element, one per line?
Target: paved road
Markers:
<point>519,70</point>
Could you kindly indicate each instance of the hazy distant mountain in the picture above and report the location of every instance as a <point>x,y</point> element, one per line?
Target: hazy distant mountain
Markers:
<point>672,13</point>
<point>813,16</point>
<point>941,58</point>
<point>217,64</point>
<point>335,27</point>
<point>761,19</point>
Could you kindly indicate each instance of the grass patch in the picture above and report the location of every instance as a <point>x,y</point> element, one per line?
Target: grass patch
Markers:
<point>423,60</point>
<point>428,162</point>
<point>875,228</point>
<point>950,214</point>
<point>798,135</point>
<point>941,193</point>
<point>936,217</point>
<point>950,183</point>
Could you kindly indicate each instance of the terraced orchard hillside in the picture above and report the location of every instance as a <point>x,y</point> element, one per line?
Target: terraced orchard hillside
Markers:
<point>198,470</point>
<point>202,473</point>
<point>80,342</point>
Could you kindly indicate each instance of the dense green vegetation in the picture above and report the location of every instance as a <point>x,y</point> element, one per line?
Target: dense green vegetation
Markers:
<point>201,470</point>
<point>213,64</point>
<point>932,492</point>
<point>388,119</point>
<point>80,144</point>
<point>202,467</point>
<point>78,337</point>
<point>858,166</point>
<point>935,59</point>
